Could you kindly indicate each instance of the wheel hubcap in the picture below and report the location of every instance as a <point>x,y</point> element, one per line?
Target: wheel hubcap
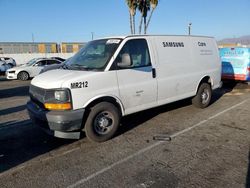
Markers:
<point>205,96</point>
<point>103,123</point>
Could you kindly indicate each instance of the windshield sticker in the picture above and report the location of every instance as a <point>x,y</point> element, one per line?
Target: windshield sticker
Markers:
<point>113,41</point>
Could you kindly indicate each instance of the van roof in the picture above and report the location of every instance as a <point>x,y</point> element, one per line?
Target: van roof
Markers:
<point>131,36</point>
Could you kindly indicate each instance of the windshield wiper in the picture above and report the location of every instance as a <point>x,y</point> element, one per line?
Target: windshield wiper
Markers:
<point>79,66</point>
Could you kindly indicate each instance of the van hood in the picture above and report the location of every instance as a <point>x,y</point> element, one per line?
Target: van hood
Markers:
<point>59,77</point>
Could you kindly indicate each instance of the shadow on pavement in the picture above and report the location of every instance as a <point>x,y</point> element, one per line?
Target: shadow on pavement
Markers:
<point>16,91</point>
<point>134,120</point>
<point>227,87</point>
<point>12,110</point>
<point>131,121</point>
<point>21,142</point>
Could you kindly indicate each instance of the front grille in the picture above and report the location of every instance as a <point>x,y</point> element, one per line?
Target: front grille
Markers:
<point>37,93</point>
<point>38,103</point>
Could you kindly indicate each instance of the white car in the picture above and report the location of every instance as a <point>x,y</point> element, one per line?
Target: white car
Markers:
<point>30,69</point>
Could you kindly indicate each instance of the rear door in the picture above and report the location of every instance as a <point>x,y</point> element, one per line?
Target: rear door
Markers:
<point>137,83</point>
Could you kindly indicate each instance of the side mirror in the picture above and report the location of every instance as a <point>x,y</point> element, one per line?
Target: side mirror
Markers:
<point>126,61</point>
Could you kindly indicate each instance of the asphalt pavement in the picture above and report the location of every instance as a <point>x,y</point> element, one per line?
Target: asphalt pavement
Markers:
<point>175,145</point>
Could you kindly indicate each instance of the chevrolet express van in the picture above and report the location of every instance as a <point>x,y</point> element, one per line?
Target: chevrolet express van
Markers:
<point>112,77</point>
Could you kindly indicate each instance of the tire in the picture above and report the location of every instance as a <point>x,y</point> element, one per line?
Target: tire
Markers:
<point>203,96</point>
<point>102,122</point>
<point>23,76</point>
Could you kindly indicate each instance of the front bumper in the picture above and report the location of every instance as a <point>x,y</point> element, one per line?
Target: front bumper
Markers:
<point>63,124</point>
<point>11,76</point>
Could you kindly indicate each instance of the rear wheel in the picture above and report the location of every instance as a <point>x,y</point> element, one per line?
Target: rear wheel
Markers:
<point>102,122</point>
<point>203,96</point>
<point>23,76</point>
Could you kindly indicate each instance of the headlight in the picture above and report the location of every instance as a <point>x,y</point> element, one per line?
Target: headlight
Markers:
<point>11,72</point>
<point>61,96</point>
<point>58,99</point>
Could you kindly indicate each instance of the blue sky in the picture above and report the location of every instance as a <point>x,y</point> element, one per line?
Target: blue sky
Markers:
<point>74,20</point>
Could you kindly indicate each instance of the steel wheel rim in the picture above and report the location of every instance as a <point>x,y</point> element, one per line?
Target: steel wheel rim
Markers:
<point>205,95</point>
<point>103,123</point>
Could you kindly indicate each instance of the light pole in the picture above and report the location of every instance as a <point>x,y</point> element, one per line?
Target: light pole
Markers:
<point>189,28</point>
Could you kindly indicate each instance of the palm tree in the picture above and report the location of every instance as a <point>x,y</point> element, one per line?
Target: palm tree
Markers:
<point>153,4</point>
<point>144,7</point>
<point>132,5</point>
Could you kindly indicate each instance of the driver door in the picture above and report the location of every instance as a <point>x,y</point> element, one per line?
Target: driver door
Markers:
<point>137,83</point>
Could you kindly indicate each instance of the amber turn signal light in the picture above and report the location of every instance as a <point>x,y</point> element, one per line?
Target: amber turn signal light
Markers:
<point>62,106</point>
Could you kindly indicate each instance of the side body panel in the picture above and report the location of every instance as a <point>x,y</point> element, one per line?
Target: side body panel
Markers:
<point>181,64</point>
<point>93,86</point>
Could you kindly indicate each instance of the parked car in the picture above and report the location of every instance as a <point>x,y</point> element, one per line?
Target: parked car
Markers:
<point>30,69</point>
<point>10,61</point>
<point>3,67</point>
<point>5,64</point>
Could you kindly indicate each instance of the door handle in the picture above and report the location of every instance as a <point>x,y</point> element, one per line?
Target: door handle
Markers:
<point>153,73</point>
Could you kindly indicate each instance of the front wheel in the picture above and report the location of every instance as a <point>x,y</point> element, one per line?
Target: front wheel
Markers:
<point>23,76</point>
<point>203,96</point>
<point>102,122</point>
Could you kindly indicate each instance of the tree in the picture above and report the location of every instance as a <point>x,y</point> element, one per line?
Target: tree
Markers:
<point>132,5</point>
<point>153,4</point>
<point>144,7</point>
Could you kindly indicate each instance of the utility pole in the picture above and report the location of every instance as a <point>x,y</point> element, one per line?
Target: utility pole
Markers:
<point>189,28</point>
<point>92,35</point>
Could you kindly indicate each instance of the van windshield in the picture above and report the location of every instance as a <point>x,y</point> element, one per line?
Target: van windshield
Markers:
<point>94,56</point>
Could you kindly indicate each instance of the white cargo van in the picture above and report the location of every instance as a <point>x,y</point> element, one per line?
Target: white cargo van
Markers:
<point>113,77</point>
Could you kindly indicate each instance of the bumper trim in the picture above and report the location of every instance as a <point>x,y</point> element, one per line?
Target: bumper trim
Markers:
<point>63,124</point>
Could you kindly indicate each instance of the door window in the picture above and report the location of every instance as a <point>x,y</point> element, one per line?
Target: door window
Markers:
<point>138,52</point>
<point>41,63</point>
<point>52,62</point>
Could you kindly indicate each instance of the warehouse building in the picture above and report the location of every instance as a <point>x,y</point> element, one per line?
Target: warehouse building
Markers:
<point>71,47</point>
<point>37,47</point>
